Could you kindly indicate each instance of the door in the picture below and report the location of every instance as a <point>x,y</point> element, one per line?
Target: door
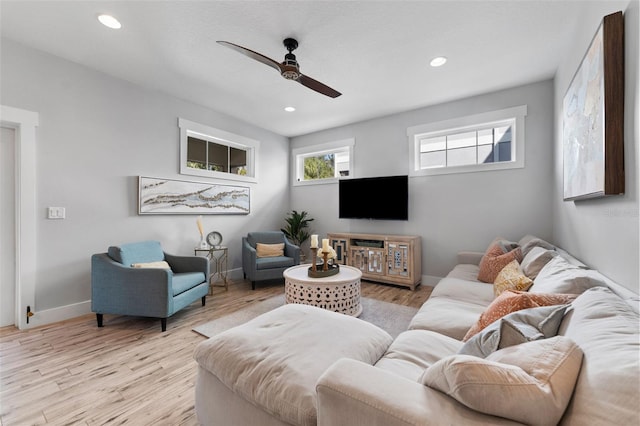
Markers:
<point>7,227</point>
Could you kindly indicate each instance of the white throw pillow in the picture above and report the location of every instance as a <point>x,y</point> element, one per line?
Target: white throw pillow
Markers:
<point>531,383</point>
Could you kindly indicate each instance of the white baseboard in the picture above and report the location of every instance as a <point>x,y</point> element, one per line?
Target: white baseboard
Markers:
<point>61,313</point>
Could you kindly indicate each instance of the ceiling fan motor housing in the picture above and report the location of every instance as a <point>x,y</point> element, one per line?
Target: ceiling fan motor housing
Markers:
<point>291,69</point>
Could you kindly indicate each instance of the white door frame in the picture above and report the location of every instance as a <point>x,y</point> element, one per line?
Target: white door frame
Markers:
<point>25,123</point>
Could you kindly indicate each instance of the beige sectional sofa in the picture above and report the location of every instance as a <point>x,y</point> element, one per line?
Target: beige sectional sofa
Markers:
<point>587,370</point>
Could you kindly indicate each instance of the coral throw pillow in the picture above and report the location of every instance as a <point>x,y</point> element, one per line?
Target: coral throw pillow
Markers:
<point>511,278</point>
<point>269,250</point>
<point>511,301</point>
<point>494,260</point>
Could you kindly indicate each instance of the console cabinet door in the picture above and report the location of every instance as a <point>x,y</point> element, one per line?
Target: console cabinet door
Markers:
<point>397,259</point>
<point>375,261</point>
<point>358,258</point>
<point>340,246</point>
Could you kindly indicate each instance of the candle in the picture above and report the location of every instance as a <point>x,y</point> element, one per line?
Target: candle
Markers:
<point>325,244</point>
<point>314,241</point>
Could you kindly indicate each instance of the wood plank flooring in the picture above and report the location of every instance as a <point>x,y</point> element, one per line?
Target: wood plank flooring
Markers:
<point>128,372</point>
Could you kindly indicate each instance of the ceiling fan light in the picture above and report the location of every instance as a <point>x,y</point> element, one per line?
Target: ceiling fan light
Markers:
<point>109,21</point>
<point>438,61</point>
<point>289,109</point>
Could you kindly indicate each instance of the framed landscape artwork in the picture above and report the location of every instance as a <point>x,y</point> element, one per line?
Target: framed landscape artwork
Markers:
<point>593,117</point>
<point>167,196</point>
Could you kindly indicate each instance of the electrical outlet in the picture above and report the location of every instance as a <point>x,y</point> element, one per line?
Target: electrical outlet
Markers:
<point>56,213</point>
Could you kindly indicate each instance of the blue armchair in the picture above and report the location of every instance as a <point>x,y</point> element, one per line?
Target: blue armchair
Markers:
<point>123,281</point>
<point>267,268</point>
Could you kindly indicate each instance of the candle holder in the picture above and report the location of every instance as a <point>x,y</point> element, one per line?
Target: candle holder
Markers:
<point>327,270</point>
<point>314,255</point>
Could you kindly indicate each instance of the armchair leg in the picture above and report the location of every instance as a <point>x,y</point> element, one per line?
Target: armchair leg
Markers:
<point>253,285</point>
<point>204,300</point>
<point>163,323</point>
<point>99,318</point>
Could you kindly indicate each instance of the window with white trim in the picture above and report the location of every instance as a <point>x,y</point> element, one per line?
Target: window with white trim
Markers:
<point>210,152</point>
<point>482,142</point>
<point>322,163</point>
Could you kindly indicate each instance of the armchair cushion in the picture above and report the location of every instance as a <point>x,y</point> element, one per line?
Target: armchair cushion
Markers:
<point>140,252</point>
<point>274,262</point>
<point>186,281</point>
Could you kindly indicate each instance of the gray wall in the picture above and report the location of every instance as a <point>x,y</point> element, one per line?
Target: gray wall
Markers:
<point>96,135</point>
<point>603,232</point>
<point>451,212</point>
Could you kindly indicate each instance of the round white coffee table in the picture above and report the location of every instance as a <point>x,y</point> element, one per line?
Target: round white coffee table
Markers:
<point>338,293</point>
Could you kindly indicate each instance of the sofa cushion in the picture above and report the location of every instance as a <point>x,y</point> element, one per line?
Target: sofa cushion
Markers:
<point>535,260</point>
<point>465,271</point>
<point>465,290</point>
<point>560,276</point>
<point>448,316</point>
<point>414,350</point>
<point>269,250</point>
<point>518,327</point>
<point>186,281</point>
<point>494,260</point>
<point>139,252</point>
<point>530,383</point>
<point>511,278</point>
<point>607,330</point>
<point>274,360</point>
<point>274,262</point>
<point>511,301</point>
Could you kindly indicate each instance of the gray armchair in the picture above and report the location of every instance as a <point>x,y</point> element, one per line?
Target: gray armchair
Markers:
<point>119,288</point>
<point>267,268</point>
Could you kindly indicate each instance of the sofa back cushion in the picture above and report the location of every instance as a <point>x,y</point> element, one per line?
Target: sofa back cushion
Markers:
<point>606,329</point>
<point>265,237</point>
<point>140,252</point>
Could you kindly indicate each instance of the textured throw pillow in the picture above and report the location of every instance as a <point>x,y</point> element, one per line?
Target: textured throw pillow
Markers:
<point>511,278</point>
<point>153,265</point>
<point>511,301</point>
<point>269,250</point>
<point>530,383</point>
<point>494,260</point>
<point>518,327</point>
<point>535,260</point>
<point>560,276</point>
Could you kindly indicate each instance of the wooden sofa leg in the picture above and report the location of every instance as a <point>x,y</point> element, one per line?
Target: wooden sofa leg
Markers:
<point>204,300</point>
<point>99,318</point>
<point>163,324</point>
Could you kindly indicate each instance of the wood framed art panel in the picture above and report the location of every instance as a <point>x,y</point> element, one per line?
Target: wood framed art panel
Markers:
<point>169,196</point>
<point>593,117</point>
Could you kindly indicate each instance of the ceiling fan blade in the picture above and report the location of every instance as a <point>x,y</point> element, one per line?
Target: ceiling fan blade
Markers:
<point>317,86</point>
<point>253,55</point>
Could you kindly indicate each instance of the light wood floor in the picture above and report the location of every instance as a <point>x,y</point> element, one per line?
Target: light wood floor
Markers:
<point>74,373</point>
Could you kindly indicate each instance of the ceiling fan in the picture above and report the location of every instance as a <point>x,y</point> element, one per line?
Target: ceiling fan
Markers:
<point>289,68</point>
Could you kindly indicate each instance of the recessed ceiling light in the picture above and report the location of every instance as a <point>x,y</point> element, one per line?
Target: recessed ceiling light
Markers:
<point>438,61</point>
<point>109,21</point>
<point>289,109</point>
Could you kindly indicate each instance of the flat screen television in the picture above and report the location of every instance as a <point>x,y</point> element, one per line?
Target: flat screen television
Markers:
<point>381,198</point>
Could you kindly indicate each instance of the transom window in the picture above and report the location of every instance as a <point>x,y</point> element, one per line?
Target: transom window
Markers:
<point>486,141</point>
<point>207,151</point>
<point>323,163</point>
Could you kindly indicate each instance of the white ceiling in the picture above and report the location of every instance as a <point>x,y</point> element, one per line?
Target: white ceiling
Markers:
<point>376,53</point>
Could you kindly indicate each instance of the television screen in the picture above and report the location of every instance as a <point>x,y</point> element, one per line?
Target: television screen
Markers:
<point>382,198</point>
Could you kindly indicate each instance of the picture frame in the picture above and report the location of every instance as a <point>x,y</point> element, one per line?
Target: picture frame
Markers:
<point>593,117</point>
<point>171,196</point>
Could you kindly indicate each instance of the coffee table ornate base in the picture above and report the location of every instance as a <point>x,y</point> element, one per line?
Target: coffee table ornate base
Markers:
<point>338,293</point>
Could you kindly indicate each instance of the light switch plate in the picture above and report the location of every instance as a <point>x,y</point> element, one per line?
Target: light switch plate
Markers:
<point>56,213</point>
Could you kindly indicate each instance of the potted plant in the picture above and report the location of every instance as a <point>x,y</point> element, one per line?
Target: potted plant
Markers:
<point>296,229</point>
